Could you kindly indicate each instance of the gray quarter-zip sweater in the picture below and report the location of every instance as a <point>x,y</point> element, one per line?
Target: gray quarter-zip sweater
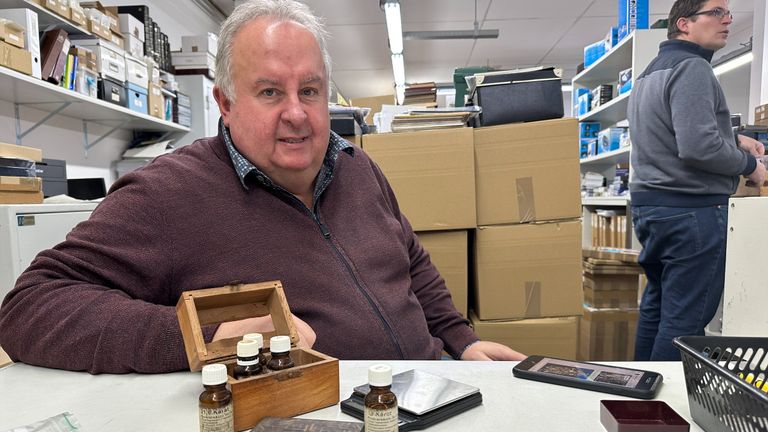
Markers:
<point>684,153</point>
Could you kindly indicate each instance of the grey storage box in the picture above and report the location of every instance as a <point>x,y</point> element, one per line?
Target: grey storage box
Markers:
<point>54,175</point>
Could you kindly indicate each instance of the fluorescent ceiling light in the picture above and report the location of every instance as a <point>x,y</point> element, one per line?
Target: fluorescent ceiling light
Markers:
<point>452,34</point>
<point>733,63</point>
<point>398,68</point>
<point>400,94</point>
<point>394,26</point>
<point>567,88</point>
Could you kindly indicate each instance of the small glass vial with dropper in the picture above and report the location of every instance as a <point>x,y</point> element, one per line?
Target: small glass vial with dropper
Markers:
<point>215,402</point>
<point>380,403</point>
<point>247,359</point>
<point>280,347</point>
<point>259,340</point>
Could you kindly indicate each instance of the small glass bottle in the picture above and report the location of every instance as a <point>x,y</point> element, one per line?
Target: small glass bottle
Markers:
<point>380,403</point>
<point>247,359</point>
<point>260,340</point>
<point>280,347</point>
<point>215,404</point>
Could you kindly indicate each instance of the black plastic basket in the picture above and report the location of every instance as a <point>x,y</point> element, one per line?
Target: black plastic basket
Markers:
<point>721,401</point>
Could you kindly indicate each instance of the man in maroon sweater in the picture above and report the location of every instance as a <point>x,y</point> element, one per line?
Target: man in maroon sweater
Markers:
<point>275,195</point>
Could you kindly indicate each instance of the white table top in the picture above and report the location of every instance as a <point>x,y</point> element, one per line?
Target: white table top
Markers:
<point>168,402</point>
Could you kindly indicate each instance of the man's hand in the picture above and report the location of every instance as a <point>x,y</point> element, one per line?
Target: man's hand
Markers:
<point>758,175</point>
<point>263,324</point>
<point>754,147</point>
<point>484,350</point>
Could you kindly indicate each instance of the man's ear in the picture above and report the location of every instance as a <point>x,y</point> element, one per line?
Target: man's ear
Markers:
<point>224,104</point>
<point>682,25</point>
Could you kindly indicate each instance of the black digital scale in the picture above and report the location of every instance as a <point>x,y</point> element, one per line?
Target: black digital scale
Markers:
<point>423,399</point>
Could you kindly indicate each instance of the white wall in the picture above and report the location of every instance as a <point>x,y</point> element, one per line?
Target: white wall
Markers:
<point>62,137</point>
<point>735,85</point>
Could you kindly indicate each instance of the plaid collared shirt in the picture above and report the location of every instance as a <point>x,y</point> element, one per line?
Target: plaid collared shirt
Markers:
<point>244,167</point>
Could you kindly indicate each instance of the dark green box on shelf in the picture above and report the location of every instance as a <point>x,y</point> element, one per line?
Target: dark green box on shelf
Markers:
<point>461,84</point>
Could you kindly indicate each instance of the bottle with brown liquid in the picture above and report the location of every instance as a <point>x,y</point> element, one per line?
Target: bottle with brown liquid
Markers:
<point>380,403</point>
<point>215,404</point>
<point>247,359</point>
<point>280,347</point>
<point>259,340</point>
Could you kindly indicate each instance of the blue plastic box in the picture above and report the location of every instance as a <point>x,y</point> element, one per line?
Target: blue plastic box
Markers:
<point>609,140</point>
<point>611,39</point>
<point>137,98</point>
<point>627,86</point>
<point>633,15</point>
<point>584,104</point>
<point>593,52</point>
<point>588,147</point>
<point>589,129</point>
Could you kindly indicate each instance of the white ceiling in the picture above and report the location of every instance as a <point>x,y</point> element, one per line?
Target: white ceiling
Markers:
<point>531,33</point>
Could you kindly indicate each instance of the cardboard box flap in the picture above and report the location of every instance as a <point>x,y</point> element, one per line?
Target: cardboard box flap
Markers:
<point>21,184</point>
<point>199,308</point>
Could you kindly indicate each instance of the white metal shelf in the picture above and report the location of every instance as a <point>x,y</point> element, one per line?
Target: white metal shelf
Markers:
<point>606,69</point>
<point>620,201</point>
<point>610,112</point>
<point>24,90</point>
<point>617,156</point>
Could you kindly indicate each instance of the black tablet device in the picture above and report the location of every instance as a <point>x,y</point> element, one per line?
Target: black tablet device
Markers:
<point>622,381</point>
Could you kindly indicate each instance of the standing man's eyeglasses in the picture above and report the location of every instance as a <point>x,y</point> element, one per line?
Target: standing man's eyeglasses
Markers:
<point>717,12</point>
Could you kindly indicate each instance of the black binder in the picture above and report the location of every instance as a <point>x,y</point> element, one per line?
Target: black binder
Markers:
<point>423,399</point>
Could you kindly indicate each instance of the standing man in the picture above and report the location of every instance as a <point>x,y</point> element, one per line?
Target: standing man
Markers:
<point>686,163</point>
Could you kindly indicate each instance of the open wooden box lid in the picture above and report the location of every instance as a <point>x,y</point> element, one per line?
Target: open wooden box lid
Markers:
<point>210,306</point>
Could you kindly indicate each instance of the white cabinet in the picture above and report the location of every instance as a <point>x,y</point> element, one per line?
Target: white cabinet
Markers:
<point>27,229</point>
<point>205,111</point>
<point>746,293</point>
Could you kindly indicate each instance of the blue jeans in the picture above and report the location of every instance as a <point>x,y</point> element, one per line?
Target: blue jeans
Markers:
<point>684,260</point>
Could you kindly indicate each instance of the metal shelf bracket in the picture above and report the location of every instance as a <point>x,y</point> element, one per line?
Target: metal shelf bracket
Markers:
<point>21,134</point>
<point>87,146</point>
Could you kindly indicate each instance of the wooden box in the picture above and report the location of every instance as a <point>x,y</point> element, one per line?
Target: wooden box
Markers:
<point>310,385</point>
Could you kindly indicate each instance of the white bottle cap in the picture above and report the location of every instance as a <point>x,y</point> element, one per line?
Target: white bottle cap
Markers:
<point>279,344</point>
<point>255,337</point>
<point>380,375</point>
<point>247,348</point>
<point>214,374</point>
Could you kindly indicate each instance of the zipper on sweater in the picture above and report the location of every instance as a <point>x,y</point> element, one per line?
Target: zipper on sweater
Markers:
<point>327,235</point>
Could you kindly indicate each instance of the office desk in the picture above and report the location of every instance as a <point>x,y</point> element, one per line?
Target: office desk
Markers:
<point>168,402</point>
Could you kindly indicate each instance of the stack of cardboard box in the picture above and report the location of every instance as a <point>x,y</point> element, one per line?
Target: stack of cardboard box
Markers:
<point>433,176</point>
<point>527,263</point>
<point>19,183</point>
<point>609,322</point>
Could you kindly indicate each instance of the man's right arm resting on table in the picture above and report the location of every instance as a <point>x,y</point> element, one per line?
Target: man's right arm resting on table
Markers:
<point>99,301</point>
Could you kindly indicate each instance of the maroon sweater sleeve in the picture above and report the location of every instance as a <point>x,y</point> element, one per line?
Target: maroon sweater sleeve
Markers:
<point>443,319</point>
<point>98,301</point>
